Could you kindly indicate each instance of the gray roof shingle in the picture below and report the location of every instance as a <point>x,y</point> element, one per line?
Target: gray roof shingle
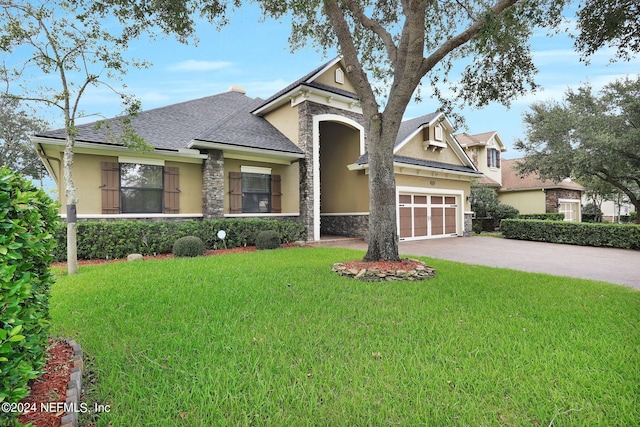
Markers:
<point>364,159</point>
<point>224,118</point>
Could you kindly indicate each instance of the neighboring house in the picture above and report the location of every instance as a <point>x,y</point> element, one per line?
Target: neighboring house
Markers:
<point>300,154</point>
<point>485,150</point>
<point>530,194</point>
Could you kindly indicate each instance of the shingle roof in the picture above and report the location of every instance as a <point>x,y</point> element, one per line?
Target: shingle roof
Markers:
<point>223,118</point>
<point>307,81</point>
<point>512,181</point>
<point>409,126</point>
<point>364,159</point>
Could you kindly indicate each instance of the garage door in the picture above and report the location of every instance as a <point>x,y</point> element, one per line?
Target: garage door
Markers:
<point>427,215</point>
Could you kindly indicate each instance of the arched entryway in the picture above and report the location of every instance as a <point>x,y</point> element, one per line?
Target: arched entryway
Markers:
<point>343,193</point>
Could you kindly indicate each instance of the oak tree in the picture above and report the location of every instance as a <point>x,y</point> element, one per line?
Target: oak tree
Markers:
<point>589,136</point>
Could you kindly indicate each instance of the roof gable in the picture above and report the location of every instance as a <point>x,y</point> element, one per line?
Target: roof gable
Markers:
<point>317,81</point>
<point>410,129</point>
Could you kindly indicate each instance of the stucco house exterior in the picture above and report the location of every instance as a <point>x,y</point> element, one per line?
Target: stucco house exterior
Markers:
<point>485,150</point>
<point>300,154</point>
<point>530,194</point>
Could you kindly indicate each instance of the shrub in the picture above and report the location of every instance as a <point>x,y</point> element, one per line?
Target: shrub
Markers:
<point>188,246</point>
<point>477,226</point>
<point>117,239</point>
<point>549,216</point>
<point>626,236</point>
<point>28,219</point>
<point>503,211</point>
<point>269,239</point>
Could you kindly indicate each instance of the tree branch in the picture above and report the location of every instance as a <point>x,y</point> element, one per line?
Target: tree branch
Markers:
<point>387,39</point>
<point>457,41</point>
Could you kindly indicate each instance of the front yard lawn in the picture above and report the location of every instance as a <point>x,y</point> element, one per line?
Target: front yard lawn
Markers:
<point>274,338</point>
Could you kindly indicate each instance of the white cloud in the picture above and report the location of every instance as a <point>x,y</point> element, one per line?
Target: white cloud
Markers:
<point>195,65</point>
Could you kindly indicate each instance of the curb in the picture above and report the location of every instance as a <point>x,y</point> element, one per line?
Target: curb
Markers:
<point>74,388</point>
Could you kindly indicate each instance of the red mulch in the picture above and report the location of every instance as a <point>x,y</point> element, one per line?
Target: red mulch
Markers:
<point>209,252</point>
<point>51,387</point>
<point>404,264</point>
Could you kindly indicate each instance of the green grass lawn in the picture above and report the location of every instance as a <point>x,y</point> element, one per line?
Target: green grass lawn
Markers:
<point>274,338</point>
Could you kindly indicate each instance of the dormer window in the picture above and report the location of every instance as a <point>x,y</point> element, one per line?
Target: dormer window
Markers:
<point>438,132</point>
<point>433,140</point>
<point>493,158</point>
<point>339,76</point>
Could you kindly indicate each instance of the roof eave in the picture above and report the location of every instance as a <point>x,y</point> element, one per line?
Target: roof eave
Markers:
<point>242,150</point>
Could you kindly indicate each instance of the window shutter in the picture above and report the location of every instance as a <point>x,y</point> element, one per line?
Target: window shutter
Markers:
<point>171,190</point>
<point>489,157</point>
<point>235,192</point>
<point>498,159</point>
<point>110,187</point>
<point>276,194</point>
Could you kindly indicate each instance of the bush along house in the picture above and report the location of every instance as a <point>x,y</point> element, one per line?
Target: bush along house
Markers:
<point>301,154</point>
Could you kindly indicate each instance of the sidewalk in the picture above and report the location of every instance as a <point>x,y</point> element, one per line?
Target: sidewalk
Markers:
<point>618,266</point>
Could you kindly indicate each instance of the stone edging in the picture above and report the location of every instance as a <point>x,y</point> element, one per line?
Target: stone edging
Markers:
<point>74,388</point>
<point>421,272</point>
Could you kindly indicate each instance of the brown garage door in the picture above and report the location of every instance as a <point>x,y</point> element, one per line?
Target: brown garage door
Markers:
<point>423,216</point>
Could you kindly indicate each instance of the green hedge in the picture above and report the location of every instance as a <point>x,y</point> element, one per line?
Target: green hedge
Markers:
<point>117,239</point>
<point>549,216</point>
<point>28,219</point>
<point>626,236</point>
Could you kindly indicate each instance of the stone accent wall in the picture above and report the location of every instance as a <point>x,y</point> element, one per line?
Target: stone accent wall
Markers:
<point>553,195</point>
<point>345,225</point>
<point>213,185</point>
<point>468,224</point>
<point>306,111</point>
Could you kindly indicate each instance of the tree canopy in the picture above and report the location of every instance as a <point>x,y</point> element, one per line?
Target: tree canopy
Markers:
<point>588,136</point>
<point>613,23</point>
<point>16,151</point>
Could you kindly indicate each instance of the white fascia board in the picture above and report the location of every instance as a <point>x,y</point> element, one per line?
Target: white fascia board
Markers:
<point>323,70</point>
<point>400,167</point>
<point>302,93</point>
<point>191,156</point>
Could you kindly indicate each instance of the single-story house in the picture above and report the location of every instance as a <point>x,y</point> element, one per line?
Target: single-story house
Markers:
<point>530,194</point>
<point>300,154</point>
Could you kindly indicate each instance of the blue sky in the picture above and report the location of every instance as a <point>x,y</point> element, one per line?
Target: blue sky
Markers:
<point>256,55</point>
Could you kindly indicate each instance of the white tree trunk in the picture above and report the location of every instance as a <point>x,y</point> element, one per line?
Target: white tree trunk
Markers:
<point>70,193</point>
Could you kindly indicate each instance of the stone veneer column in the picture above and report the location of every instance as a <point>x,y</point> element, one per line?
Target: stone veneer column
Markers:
<point>213,185</point>
<point>307,194</point>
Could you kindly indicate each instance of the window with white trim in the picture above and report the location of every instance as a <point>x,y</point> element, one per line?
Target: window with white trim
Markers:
<point>141,188</point>
<point>493,158</point>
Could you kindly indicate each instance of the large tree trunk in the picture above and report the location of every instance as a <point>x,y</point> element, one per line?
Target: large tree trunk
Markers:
<point>70,193</point>
<point>383,230</point>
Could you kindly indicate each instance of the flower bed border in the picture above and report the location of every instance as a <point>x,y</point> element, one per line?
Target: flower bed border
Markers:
<point>74,387</point>
<point>376,274</point>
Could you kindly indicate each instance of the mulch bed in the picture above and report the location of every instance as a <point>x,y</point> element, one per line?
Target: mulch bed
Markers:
<point>51,387</point>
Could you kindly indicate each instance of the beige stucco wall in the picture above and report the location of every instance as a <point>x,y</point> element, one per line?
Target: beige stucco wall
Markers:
<point>414,148</point>
<point>190,187</point>
<point>87,176</point>
<point>341,190</point>
<point>527,201</point>
<point>285,119</point>
<point>328,78</point>
<point>289,184</point>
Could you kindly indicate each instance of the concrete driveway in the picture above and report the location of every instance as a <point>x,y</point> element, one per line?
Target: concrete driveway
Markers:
<point>619,266</point>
